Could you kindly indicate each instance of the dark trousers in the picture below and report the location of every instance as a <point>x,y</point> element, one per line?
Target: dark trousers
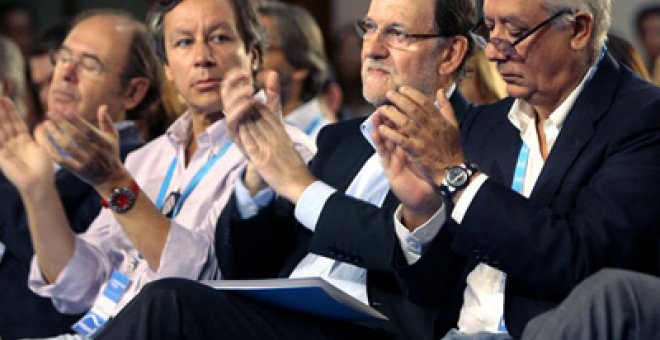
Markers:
<point>183,309</point>
<point>23,314</point>
<point>612,304</point>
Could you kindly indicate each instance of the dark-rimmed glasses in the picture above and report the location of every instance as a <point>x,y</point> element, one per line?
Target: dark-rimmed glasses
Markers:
<point>392,36</point>
<point>481,34</point>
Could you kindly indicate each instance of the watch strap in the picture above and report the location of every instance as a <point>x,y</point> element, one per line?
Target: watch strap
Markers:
<point>132,187</point>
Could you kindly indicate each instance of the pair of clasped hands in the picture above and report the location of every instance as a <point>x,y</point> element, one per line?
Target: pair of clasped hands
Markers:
<point>416,142</point>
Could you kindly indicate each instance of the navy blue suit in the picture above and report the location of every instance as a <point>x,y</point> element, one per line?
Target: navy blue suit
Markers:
<point>23,313</point>
<point>593,205</point>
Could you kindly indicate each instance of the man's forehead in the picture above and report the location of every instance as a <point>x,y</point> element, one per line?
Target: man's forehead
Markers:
<point>104,36</point>
<point>512,10</point>
<point>210,14</point>
<point>405,13</point>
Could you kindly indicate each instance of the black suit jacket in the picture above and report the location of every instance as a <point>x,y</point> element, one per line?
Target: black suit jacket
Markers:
<point>593,205</point>
<point>349,230</point>
<point>23,313</point>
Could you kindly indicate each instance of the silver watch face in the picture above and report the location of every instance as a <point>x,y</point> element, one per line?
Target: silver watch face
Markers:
<point>457,176</point>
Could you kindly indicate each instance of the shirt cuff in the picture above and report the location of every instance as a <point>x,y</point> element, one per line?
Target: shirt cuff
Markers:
<point>247,205</point>
<point>413,243</point>
<point>461,207</point>
<point>311,203</point>
<point>77,284</point>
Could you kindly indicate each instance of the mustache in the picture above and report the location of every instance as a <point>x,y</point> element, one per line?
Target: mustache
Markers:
<point>370,64</point>
<point>66,89</point>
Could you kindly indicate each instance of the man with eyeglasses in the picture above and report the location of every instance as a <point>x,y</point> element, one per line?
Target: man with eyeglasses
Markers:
<point>340,224</point>
<point>88,72</point>
<point>535,192</point>
<point>162,204</point>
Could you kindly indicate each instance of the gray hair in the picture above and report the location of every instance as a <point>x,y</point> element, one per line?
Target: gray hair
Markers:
<point>12,68</point>
<point>601,10</point>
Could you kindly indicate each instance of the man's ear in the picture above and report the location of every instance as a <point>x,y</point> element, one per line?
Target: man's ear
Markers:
<point>255,56</point>
<point>135,92</point>
<point>452,55</point>
<point>582,31</point>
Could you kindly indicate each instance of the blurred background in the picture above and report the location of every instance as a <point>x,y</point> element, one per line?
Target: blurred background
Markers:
<point>333,15</point>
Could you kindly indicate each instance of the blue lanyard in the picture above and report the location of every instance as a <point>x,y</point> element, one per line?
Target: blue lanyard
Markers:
<point>517,185</point>
<point>521,168</point>
<point>193,182</point>
<point>313,125</point>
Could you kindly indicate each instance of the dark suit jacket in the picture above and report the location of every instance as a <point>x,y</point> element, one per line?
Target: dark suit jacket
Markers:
<point>22,313</point>
<point>593,205</point>
<point>349,230</point>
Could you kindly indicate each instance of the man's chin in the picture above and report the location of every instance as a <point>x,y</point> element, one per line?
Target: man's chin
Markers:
<point>375,99</point>
<point>59,109</point>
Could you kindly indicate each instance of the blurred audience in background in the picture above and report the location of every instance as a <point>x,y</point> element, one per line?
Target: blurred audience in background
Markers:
<point>347,60</point>
<point>41,68</point>
<point>18,23</point>
<point>481,83</point>
<point>295,50</point>
<point>625,53</point>
<point>12,75</point>
<point>648,32</point>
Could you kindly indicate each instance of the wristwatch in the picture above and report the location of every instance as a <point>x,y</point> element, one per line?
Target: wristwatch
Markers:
<point>456,178</point>
<point>122,199</point>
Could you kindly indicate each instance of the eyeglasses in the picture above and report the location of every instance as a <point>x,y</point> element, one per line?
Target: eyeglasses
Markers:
<point>481,34</point>
<point>393,37</point>
<point>89,63</point>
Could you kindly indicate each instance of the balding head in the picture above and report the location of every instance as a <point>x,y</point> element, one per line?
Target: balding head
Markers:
<point>105,59</point>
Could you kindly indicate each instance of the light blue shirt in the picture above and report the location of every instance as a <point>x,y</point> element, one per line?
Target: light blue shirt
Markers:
<point>370,185</point>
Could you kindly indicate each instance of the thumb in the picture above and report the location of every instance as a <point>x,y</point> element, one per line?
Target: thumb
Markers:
<point>105,122</point>
<point>446,110</point>
<point>273,92</point>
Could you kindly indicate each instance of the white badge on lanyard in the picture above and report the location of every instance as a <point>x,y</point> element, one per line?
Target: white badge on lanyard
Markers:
<point>104,305</point>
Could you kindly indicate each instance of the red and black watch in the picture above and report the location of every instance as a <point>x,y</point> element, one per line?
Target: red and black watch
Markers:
<point>122,199</point>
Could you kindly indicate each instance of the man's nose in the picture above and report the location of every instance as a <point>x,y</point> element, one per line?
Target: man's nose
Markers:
<point>374,47</point>
<point>203,55</point>
<point>70,71</point>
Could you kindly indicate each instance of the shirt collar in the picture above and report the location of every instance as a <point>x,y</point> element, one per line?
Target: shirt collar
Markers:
<point>368,126</point>
<point>305,115</point>
<point>124,124</point>
<point>181,131</point>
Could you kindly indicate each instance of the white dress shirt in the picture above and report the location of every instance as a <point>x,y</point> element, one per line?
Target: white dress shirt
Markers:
<point>370,185</point>
<point>189,250</point>
<point>483,299</point>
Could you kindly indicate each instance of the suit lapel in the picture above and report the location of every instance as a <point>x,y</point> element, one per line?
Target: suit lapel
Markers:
<point>347,161</point>
<point>459,104</point>
<point>578,129</point>
<point>496,146</point>
<point>506,151</point>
